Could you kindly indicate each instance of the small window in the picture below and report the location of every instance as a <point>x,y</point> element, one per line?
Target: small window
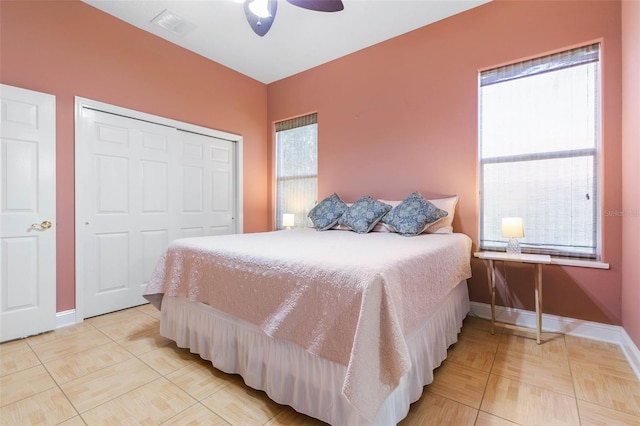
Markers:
<point>296,168</point>
<point>539,152</point>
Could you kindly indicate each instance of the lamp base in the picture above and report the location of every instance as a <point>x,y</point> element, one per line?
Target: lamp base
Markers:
<point>513,247</point>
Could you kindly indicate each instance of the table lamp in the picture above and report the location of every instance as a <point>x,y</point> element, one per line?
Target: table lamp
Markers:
<point>288,220</point>
<point>512,228</point>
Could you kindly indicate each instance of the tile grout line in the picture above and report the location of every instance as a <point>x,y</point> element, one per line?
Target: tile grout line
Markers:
<point>484,392</point>
<point>160,376</point>
<point>486,384</point>
<point>111,340</point>
<point>573,382</point>
<point>598,403</point>
<point>519,380</point>
<point>57,385</point>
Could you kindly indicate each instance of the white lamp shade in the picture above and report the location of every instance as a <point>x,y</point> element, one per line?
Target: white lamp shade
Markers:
<point>260,8</point>
<point>288,219</point>
<point>512,227</point>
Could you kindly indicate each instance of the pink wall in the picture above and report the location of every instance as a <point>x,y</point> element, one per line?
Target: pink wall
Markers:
<point>631,168</point>
<point>67,48</point>
<point>402,116</point>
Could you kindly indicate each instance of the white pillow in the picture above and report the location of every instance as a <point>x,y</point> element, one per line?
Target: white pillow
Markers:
<point>444,225</point>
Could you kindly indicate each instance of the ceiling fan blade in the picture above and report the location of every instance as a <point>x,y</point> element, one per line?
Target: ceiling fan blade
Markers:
<point>319,5</point>
<point>259,25</point>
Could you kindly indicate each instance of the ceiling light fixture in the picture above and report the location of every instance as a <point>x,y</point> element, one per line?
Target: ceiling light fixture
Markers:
<point>261,13</point>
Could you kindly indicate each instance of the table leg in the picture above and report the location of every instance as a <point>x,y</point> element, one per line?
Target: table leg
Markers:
<point>538,285</point>
<point>491,279</point>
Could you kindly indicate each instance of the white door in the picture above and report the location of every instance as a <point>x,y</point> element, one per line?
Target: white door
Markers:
<point>123,181</point>
<point>207,193</point>
<point>142,185</point>
<point>28,213</point>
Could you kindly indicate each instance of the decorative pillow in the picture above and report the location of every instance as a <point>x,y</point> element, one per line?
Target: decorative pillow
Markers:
<point>444,225</point>
<point>441,226</point>
<point>364,214</point>
<point>326,213</point>
<point>413,215</point>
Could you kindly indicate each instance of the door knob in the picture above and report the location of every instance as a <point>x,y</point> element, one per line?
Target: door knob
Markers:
<point>42,226</point>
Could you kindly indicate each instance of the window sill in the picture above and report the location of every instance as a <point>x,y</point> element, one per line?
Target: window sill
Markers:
<point>579,263</point>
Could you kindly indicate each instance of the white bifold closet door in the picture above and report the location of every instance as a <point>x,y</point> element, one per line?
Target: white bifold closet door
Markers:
<point>139,186</point>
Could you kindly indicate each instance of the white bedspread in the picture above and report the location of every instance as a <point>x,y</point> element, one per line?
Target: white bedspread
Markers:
<point>345,297</point>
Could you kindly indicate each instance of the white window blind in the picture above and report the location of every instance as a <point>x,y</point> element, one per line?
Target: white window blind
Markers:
<point>296,168</point>
<point>539,152</point>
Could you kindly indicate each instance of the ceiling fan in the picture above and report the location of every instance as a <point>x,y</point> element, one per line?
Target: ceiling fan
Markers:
<point>261,13</point>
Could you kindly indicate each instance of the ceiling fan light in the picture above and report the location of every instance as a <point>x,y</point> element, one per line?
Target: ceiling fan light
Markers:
<point>260,8</point>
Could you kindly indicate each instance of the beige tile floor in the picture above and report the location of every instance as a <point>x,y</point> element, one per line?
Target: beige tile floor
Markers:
<point>116,369</point>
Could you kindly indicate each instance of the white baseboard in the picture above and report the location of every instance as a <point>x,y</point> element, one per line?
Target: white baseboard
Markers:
<point>571,326</point>
<point>66,318</point>
<point>631,352</point>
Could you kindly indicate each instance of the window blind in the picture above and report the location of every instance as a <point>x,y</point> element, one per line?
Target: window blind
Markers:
<point>554,62</point>
<point>294,123</point>
<point>539,152</point>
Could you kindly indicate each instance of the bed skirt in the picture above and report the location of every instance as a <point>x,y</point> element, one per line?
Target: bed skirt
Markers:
<point>291,376</point>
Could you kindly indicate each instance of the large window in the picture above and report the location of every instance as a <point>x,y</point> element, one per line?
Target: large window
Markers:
<point>296,168</point>
<point>539,152</point>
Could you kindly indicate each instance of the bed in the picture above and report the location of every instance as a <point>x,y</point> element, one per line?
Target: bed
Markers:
<point>344,327</point>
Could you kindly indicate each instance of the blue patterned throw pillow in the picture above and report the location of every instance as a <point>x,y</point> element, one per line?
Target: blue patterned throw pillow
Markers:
<point>413,215</point>
<point>363,215</point>
<point>326,213</point>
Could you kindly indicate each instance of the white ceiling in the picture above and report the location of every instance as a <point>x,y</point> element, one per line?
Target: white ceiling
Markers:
<point>299,39</point>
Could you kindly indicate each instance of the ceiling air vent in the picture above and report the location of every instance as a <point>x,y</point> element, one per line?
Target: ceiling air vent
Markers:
<point>169,21</point>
